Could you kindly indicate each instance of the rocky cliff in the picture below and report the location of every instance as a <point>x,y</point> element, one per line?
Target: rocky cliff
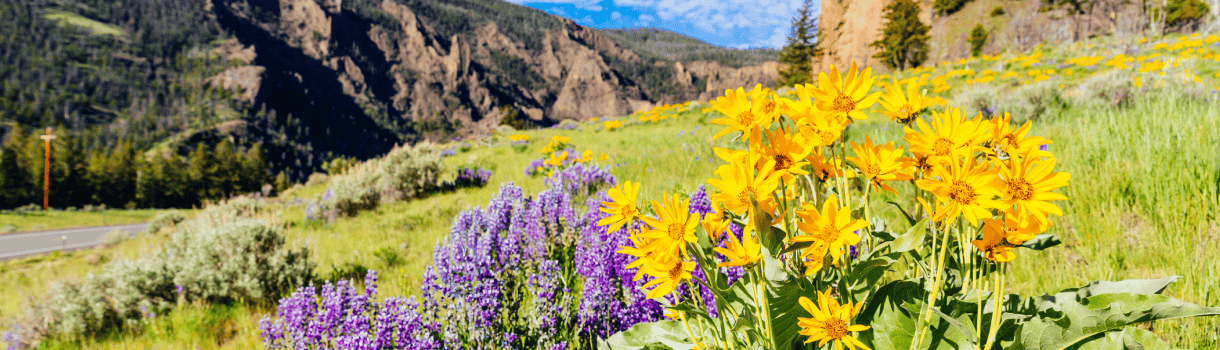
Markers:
<point>364,76</point>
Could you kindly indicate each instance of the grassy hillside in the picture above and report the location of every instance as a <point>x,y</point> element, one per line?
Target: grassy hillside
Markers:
<point>677,47</point>
<point>1145,185</point>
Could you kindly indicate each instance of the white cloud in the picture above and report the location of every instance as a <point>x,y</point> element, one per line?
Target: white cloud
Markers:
<point>721,15</point>
<point>615,15</point>
<point>646,20</point>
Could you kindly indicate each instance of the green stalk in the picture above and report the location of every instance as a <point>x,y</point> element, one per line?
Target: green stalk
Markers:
<point>998,310</point>
<point>926,313</point>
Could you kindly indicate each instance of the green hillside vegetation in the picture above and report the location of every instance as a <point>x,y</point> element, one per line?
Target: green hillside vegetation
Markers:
<point>1136,219</point>
<point>97,28</point>
<point>38,220</point>
<point>664,44</point>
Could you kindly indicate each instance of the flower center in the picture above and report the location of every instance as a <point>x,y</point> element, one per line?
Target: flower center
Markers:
<point>873,169</point>
<point>828,234</point>
<point>1010,140</point>
<point>844,104</point>
<point>835,328</point>
<point>782,161</point>
<point>745,118</point>
<point>942,147</point>
<point>675,273</point>
<point>677,231</point>
<point>827,137</point>
<point>629,211</point>
<point>1020,189</point>
<point>768,107</point>
<point>962,193</point>
<point>906,110</point>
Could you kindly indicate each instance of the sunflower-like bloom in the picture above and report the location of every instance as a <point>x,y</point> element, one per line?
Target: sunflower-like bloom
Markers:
<point>902,107</point>
<point>674,228</point>
<point>742,113</point>
<point>742,252</point>
<point>1019,227</point>
<point>1030,181</point>
<point>820,130</point>
<point>667,276</point>
<point>993,245</point>
<point>738,183</point>
<point>831,322</point>
<point>642,256</point>
<point>622,208</point>
<point>826,169</point>
<point>880,163</point>
<point>830,229</point>
<point>949,136</point>
<point>1003,137</point>
<point>846,96</point>
<point>785,152</point>
<point>964,189</point>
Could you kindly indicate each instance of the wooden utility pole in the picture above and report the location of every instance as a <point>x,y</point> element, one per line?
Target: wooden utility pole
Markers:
<point>46,170</point>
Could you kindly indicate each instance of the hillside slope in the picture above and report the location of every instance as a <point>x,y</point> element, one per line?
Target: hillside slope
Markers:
<point>314,80</point>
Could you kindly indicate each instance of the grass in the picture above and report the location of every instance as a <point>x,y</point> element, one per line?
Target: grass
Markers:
<point>11,222</point>
<point>1145,186</point>
<point>95,27</point>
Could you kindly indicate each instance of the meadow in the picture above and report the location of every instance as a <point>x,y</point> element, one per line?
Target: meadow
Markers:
<point>38,220</point>
<point>1144,191</point>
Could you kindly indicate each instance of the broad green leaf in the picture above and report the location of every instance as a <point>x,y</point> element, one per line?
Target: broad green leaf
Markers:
<point>912,239</point>
<point>865,275</point>
<point>892,313</point>
<point>786,309</point>
<point>1071,323</point>
<point>1042,241</point>
<point>650,336</point>
<point>1129,338</point>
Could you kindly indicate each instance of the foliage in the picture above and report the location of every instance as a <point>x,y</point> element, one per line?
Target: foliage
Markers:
<point>948,7</point>
<point>978,38</point>
<point>997,11</point>
<point>404,173</point>
<point>222,256</point>
<point>797,56</point>
<point>1184,13</point>
<point>904,39</point>
<point>1034,101</point>
<point>938,285</point>
<point>165,220</point>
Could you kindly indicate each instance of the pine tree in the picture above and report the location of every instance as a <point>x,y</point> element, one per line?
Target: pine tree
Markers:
<point>123,166</point>
<point>904,39</point>
<point>227,170</point>
<point>254,169</point>
<point>796,60</point>
<point>281,183</point>
<point>978,38</point>
<point>14,181</point>
<point>200,172</point>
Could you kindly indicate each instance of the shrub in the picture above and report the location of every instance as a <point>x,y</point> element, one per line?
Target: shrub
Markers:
<point>1112,88</point>
<point>404,173</point>
<point>165,220</point>
<point>217,257</point>
<point>1033,101</point>
<point>316,179</point>
<point>114,237</point>
<point>997,11</point>
<point>979,98</point>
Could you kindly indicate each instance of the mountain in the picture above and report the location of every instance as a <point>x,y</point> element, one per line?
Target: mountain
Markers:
<point>313,80</point>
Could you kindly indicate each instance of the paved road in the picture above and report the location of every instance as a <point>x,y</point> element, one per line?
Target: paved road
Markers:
<point>16,245</point>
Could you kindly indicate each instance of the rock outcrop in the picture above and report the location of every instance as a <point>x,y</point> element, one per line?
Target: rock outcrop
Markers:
<point>349,84</point>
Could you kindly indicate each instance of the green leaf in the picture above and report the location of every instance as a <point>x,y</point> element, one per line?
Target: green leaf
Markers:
<point>910,219</point>
<point>912,239</point>
<point>786,309</point>
<point>1042,241</point>
<point>865,275</point>
<point>1070,323</point>
<point>892,313</point>
<point>1128,338</point>
<point>658,335</point>
<point>796,246</point>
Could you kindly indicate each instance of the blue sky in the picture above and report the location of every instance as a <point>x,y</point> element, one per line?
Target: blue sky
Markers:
<point>728,23</point>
